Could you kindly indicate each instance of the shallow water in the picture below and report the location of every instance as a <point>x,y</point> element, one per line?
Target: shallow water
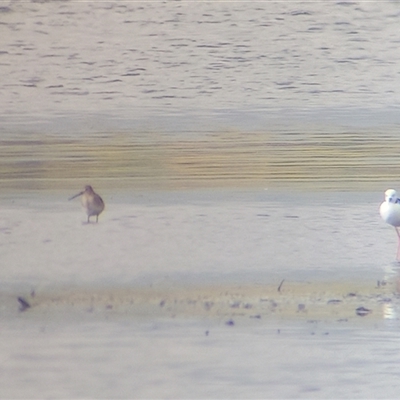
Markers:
<point>229,293</point>
<point>103,357</point>
<point>132,161</point>
<point>247,234</point>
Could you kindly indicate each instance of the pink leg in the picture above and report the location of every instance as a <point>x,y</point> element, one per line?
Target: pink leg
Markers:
<point>398,247</point>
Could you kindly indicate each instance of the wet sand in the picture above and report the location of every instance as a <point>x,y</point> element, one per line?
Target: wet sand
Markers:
<point>332,301</point>
<point>207,294</point>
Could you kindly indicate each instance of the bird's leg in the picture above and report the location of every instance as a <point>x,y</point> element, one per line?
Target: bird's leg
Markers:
<point>97,220</point>
<point>398,247</point>
<point>88,220</point>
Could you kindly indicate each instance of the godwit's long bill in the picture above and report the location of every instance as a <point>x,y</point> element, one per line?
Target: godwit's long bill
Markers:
<point>390,213</point>
<point>91,202</point>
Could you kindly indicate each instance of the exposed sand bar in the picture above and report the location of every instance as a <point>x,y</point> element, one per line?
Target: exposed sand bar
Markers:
<point>309,300</point>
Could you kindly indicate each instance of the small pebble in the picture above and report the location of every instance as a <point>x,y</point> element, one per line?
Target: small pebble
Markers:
<point>362,311</point>
<point>273,304</point>
<point>334,301</point>
<point>301,307</point>
<point>23,304</point>
<point>234,304</point>
<point>386,300</point>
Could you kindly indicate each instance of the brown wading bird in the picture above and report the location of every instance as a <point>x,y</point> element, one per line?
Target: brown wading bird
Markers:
<point>91,202</point>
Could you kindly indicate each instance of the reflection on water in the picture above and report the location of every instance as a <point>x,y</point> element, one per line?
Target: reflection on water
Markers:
<point>390,307</point>
<point>346,161</point>
<point>389,312</point>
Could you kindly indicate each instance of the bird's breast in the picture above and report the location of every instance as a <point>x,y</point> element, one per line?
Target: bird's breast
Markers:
<point>390,213</point>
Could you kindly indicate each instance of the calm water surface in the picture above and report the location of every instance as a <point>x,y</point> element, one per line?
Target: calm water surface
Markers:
<point>178,359</point>
<point>194,94</point>
<point>198,66</point>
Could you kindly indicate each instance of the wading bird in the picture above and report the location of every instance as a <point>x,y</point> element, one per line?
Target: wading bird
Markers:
<point>91,202</point>
<point>390,213</point>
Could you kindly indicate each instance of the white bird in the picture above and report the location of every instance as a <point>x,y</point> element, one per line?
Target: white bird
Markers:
<point>91,202</point>
<point>390,213</point>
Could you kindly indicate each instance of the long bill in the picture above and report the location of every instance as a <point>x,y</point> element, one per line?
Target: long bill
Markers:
<point>73,197</point>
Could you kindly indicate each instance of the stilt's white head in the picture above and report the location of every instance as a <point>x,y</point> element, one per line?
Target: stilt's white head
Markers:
<point>391,196</point>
